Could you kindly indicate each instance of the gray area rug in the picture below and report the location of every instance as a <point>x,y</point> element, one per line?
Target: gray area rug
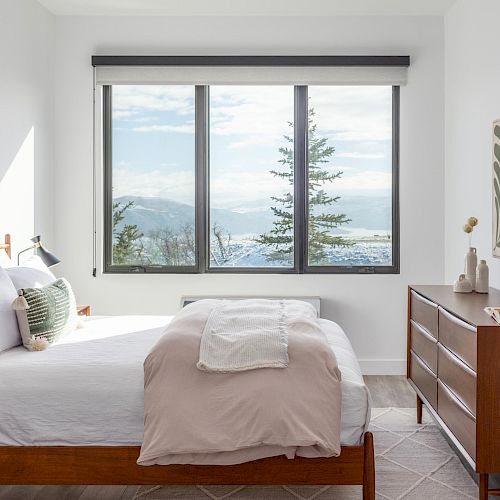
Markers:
<point>413,462</point>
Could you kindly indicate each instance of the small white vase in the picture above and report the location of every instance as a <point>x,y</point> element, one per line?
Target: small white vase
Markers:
<point>483,279</point>
<point>462,285</point>
<point>470,266</point>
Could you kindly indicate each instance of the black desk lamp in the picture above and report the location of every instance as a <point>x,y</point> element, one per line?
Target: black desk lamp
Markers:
<point>48,258</point>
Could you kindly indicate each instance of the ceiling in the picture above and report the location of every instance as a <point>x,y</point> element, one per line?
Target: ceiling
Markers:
<point>247,7</point>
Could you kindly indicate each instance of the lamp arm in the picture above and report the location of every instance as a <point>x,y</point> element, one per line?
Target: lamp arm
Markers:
<point>25,250</point>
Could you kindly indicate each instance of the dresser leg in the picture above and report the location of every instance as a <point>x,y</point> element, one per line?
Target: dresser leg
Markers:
<point>419,410</point>
<point>483,486</point>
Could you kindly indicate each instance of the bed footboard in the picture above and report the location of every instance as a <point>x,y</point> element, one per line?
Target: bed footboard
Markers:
<point>42,465</point>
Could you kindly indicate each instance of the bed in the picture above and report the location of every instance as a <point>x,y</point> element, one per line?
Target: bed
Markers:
<point>95,377</point>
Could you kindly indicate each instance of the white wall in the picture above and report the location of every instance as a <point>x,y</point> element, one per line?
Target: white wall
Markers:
<point>372,309</point>
<point>27,34</point>
<point>472,90</point>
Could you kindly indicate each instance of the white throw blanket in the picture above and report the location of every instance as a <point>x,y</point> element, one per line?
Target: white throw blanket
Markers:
<point>244,335</point>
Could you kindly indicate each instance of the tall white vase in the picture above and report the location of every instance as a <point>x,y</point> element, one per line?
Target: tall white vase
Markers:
<point>482,283</point>
<point>470,266</point>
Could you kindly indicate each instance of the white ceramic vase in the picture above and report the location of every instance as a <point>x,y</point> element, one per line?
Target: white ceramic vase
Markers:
<point>483,279</point>
<point>470,266</point>
<point>462,285</point>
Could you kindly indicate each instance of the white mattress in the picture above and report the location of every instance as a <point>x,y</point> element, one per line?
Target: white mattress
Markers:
<point>88,388</point>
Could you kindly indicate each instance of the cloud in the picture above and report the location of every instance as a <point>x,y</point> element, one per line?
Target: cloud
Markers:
<point>132,116</point>
<point>260,115</point>
<point>175,129</point>
<point>144,119</point>
<point>244,121</point>
<point>228,187</point>
<point>251,116</point>
<point>368,180</point>
<point>123,114</point>
<point>174,185</point>
<point>349,113</point>
<point>360,156</point>
<point>139,103</point>
<point>231,187</point>
<point>132,99</point>
<point>239,187</point>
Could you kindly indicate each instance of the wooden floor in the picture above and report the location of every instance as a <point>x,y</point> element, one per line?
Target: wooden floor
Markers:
<point>386,391</point>
<point>390,391</point>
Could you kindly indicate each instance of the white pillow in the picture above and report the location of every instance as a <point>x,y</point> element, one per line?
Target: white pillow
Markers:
<point>9,330</point>
<point>32,274</point>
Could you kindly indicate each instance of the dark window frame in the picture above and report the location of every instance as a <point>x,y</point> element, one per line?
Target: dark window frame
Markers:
<point>202,197</point>
<point>200,153</point>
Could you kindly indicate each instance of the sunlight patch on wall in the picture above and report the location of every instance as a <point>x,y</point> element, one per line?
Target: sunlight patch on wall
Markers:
<point>17,195</point>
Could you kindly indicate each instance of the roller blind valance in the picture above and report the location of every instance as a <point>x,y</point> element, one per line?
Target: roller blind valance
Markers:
<point>301,70</point>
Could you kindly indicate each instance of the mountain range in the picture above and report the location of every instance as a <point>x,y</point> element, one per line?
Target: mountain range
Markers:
<point>151,213</point>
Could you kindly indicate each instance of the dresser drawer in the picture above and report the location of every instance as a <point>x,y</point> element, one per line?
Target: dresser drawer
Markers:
<point>425,345</point>
<point>459,337</point>
<point>424,379</point>
<point>458,419</point>
<point>425,313</point>
<point>458,377</point>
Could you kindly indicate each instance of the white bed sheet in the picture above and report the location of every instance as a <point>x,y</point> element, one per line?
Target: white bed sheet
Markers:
<point>88,388</point>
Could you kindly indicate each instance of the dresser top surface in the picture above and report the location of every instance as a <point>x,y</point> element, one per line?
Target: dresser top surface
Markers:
<point>467,306</point>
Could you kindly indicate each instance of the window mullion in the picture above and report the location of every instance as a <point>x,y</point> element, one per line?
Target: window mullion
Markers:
<point>300,178</point>
<point>395,179</point>
<point>108,176</point>
<point>201,201</point>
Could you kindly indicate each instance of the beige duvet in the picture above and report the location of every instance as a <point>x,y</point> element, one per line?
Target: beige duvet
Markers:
<point>195,417</point>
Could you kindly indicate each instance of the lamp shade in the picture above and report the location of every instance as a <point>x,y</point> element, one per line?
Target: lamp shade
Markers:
<point>48,258</point>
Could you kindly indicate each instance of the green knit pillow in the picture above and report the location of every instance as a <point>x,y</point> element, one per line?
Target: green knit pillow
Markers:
<point>45,314</point>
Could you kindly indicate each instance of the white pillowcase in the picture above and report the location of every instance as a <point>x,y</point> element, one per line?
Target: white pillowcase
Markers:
<point>9,330</point>
<point>32,274</point>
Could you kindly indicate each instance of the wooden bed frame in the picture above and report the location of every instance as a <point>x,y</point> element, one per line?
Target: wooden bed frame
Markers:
<point>37,465</point>
<point>117,465</point>
<point>6,245</point>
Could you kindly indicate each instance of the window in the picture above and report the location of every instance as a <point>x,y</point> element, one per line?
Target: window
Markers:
<point>251,178</point>
<point>350,177</point>
<point>151,182</point>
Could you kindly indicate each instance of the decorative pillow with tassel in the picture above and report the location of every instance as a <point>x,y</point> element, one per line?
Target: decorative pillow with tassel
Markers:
<point>45,314</point>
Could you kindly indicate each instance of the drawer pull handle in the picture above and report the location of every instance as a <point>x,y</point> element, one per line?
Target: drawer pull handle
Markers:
<point>423,331</point>
<point>457,361</point>
<point>456,321</point>
<point>422,364</point>
<point>423,299</point>
<point>456,400</point>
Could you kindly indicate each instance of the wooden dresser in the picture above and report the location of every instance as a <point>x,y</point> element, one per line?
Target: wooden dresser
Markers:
<point>454,366</point>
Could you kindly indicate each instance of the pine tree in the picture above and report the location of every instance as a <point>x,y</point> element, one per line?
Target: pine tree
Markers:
<point>280,238</point>
<point>127,245</point>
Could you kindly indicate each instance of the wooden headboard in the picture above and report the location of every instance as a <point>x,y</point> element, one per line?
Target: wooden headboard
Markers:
<point>6,245</point>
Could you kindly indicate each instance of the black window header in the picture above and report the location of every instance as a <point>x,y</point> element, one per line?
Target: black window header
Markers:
<point>402,61</point>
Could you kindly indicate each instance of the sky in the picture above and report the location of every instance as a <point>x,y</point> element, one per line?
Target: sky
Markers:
<point>154,145</point>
